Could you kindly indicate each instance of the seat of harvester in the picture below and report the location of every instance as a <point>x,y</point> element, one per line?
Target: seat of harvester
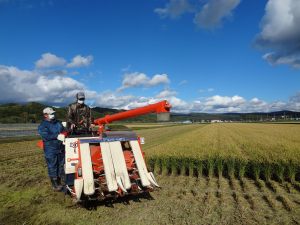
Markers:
<point>81,133</point>
<point>120,134</point>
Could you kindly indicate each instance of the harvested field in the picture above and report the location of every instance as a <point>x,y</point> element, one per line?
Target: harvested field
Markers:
<point>146,125</point>
<point>216,191</point>
<point>18,130</point>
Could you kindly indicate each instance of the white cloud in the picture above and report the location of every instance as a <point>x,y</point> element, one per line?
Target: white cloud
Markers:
<point>142,80</point>
<point>224,104</point>
<point>56,72</point>
<point>80,61</point>
<point>213,104</point>
<point>256,101</point>
<point>179,105</point>
<point>174,9</point>
<point>166,93</point>
<point>294,102</point>
<point>217,101</point>
<point>183,82</point>
<point>295,98</point>
<point>214,12</point>
<point>118,101</point>
<point>159,79</point>
<point>206,90</point>
<point>24,86</point>
<point>126,69</point>
<point>113,100</point>
<point>280,21</point>
<point>206,16</point>
<point>49,60</point>
<point>276,58</point>
<point>280,32</point>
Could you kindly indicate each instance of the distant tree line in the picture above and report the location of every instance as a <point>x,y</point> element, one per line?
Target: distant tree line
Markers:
<point>32,113</point>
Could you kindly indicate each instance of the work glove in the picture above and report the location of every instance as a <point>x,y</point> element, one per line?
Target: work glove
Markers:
<point>62,136</point>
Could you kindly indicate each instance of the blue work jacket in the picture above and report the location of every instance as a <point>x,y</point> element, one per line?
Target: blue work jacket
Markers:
<point>49,130</point>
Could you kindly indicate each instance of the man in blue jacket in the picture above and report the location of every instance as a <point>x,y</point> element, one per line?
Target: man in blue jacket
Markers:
<point>49,129</point>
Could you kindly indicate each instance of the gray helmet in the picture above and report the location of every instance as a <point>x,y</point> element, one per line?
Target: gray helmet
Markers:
<point>80,95</point>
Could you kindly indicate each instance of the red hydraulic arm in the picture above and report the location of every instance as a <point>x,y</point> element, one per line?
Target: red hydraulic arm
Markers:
<point>160,107</point>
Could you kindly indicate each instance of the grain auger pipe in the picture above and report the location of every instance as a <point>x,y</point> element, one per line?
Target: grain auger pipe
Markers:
<point>162,109</point>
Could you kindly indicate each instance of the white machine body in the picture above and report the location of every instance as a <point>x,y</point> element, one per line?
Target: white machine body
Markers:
<point>104,167</point>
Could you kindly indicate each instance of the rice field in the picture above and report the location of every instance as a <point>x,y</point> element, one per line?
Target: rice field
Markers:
<point>153,125</point>
<point>266,151</point>
<point>209,174</point>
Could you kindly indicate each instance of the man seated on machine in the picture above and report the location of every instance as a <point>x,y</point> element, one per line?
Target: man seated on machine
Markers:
<point>79,117</point>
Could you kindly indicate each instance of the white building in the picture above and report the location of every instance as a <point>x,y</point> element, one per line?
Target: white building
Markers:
<point>216,121</point>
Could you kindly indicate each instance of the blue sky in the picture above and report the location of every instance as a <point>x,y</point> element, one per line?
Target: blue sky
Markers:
<point>203,56</point>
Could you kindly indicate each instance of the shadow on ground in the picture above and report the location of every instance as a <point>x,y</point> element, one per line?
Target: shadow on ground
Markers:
<point>126,200</point>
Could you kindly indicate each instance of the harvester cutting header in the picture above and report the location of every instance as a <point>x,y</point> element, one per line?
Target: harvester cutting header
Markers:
<point>111,163</point>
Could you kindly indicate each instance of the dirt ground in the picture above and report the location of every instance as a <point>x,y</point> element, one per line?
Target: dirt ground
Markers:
<point>26,198</point>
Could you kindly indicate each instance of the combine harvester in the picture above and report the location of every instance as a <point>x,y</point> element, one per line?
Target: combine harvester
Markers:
<point>110,164</point>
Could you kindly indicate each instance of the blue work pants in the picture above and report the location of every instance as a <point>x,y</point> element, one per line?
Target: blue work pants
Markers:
<point>55,163</point>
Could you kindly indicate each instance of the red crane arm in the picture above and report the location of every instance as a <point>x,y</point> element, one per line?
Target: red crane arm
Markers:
<point>160,107</point>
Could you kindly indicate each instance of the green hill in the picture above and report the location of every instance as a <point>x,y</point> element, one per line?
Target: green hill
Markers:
<point>32,113</point>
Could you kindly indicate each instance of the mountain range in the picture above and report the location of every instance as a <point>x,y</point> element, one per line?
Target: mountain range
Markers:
<point>32,113</point>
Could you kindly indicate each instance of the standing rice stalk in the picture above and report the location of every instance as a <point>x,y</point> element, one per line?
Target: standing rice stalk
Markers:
<point>164,165</point>
<point>184,166</point>
<point>199,168</point>
<point>291,172</point>
<point>220,166</point>
<point>157,166</point>
<point>254,150</point>
<point>279,171</point>
<point>230,167</point>
<point>267,168</point>
<point>174,166</point>
<point>191,167</point>
<point>241,165</point>
<point>210,167</point>
<point>256,171</point>
<point>150,162</point>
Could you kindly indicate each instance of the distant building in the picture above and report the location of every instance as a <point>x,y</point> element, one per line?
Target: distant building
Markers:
<point>216,121</point>
<point>187,122</point>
